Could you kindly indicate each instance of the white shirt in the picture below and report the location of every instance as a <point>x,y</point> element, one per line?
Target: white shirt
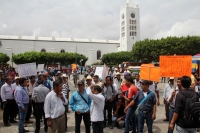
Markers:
<point>167,89</point>
<point>14,85</point>
<point>30,88</point>
<point>172,104</point>
<point>53,105</point>
<point>97,106</point>
<point>118,85</point>
<point>153,88</point>
<point>7,92</point>
<point>138,84</point>
<point>116,88</point>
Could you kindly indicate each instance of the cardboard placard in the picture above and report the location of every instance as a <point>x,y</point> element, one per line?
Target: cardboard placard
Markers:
<point>73,66</point>
<point>26,70</point>
<point>40,67</point>
<point>150,72</point>
<point>175,66</point>
<point>104,72</point>
<point>99,71</point>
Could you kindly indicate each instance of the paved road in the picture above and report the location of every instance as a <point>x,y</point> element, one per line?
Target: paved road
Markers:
<point>158,127</point>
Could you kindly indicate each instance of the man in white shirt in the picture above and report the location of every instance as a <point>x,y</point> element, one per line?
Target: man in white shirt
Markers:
<point>9,102</point>
<point>166,93</point>
<point>97,107</point>
<point>118,82</point>
<point>137,82</point>
<point>54,108</point>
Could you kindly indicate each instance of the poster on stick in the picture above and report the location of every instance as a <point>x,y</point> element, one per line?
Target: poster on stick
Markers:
<point>26,70</point>
<point>40,67</point>
<point>175,66</point>
<point>104,72</point>
<point>99,71</point>
<point>149,72</point>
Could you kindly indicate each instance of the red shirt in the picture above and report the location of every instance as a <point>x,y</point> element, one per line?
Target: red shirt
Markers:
<point>132,91</point>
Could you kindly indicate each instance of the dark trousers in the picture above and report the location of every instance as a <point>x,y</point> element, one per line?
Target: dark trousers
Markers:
<point>9,111</point>
<point>97,127</point>
<point>141,117</point>
<point>167,110</point>
<point>1,103</point>
<point>108,107</point>
<point>29,111</point>
<point>78,119</point>
<point>39,113</point>
<point>130,120</point>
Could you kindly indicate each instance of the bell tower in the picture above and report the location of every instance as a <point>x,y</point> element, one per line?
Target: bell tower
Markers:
<point>129,26</point>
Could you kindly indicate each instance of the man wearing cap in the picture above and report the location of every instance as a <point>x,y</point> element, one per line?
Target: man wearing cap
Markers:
<point>2,82</point>
<point>80,103</point>
<point>109,93</point>
<point>9,102</point>
<point>166,94</point>
<point>146,109</point>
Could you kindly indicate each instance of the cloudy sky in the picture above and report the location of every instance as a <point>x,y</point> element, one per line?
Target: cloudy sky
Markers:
<point>97,19</point>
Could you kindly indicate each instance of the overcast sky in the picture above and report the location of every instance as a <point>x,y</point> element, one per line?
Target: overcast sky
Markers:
<point>97,19</point>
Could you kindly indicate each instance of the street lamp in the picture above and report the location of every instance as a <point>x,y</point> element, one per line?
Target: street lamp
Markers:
<point>81,65</point>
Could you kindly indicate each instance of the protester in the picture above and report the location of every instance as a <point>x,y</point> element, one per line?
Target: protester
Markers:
<point>47,81</point>
<point>80,103</point>
<point>75,77</point>
<point>54,109</point>
<point>38,96</point>
<point>146,109</point>
<point>97,107</point>
<point>9,102</point>
<point>166,94</point>
<point>153,86</point>
<point>184,116</point>
<point>118,82</point>
<point>109,94</point>
<point>137,82</point>
<point>96,80</point>
<point>2,82</point>
<point>119,114</point>
<point>22,99</point>
<point>130,115</point>
<point>88,81</point>
<point>171,100</point>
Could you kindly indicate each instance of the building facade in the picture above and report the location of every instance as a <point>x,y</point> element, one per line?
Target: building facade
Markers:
<point>92,48</point>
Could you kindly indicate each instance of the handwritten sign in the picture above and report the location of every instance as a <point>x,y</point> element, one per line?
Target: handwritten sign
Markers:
<point>150,72</point>
<point>40,67</point>
<point>175,66</point>
<point>26,70</point>
<point>99,71</point>
<point>73,66</point>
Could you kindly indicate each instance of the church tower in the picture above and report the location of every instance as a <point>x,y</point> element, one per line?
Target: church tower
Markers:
<point>129,26</point>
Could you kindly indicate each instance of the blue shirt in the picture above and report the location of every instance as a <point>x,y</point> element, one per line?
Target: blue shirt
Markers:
<point>148,104</point>
<point>21,96</point>
<point>78,104</point>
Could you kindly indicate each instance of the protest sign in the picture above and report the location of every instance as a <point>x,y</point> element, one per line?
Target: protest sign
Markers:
<point>104,72</point>
<point>175,66</point>
<point>40,67</point>
<point>149,72</point>
<point>73,66</point>
<point>99,71</point>
<point>28,69</point>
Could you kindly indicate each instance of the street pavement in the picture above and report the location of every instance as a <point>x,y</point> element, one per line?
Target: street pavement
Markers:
<point>159,126</point>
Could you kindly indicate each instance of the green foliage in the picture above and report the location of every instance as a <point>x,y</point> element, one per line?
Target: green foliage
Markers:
<point>4,58</point>
<point>48,58</point>
<point>116,58</point>
<point>150,50</point>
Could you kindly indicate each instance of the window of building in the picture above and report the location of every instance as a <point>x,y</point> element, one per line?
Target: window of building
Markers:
<point>134,21</point>
<point>135,34</point>
<point>130,27</point>
<point>130,33</point>
<point>43,50</point>
<point>98,55</point>
<point>62,51</point>
<point>130,21</point>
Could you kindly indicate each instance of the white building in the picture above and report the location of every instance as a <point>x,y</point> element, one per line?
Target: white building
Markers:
<point>129,34</point>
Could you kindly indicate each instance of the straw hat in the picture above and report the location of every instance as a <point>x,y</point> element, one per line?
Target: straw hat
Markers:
<point>64,76</point>
<point>16,77</point>
<point>89,77</point>
<point>118,73</point>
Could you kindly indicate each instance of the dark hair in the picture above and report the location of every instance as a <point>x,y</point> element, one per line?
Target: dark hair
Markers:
<point>22,80</point>
<point>85,76</point>
<point>56,83</point>
<point>111,79</point>
<point>137,74</point>
<point>96,76</point>
<point>7,78</point>
<point>31,77</point>
<point>120,99</point>
<point>130,79</point>
<point>98,88</point>
<point>40,81</point>
<point>186,81</point>
<point>60,79</point>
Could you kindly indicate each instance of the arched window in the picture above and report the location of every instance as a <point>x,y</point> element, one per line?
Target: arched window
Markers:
<point>98,55</point>
<point>43,50</point>
<point>62,51</point>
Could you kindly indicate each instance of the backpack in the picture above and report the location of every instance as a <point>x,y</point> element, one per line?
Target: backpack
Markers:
<point>191,111</point>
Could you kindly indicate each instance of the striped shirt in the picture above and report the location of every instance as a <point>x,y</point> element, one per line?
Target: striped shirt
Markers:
<point>39,93</point>
<point>65,89</point>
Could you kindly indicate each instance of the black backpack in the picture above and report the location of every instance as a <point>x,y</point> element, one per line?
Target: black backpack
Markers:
<point>191,113</point>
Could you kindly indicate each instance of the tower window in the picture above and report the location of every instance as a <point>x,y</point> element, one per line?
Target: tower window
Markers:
<point>134,21</point>
<point>130,21</point>
<point>130,27</point>
<point>130,33</point>
<point>135,34</point>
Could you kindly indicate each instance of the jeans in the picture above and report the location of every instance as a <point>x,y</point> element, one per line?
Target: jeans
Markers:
<point>185,130</point>
<point>141,117</point>
<point>22,116</point>
<point>171,112</point>
<point>108,106</point>
<point>78,119</point>
<point>97,127</point>
<point>39,112</point>
<point>130,116</point>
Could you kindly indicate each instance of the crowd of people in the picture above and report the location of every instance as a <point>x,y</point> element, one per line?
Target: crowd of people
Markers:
<point>114,101</point>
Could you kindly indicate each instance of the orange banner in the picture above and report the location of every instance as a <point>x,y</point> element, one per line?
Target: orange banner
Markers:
<point>73,66</point>
<point>149,72</point>
<point>175,66</point>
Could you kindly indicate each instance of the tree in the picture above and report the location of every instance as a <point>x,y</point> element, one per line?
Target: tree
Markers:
<point>4,58</point>
<point>48,58</point>
<point>150,50</point>
<point>116,58</point>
